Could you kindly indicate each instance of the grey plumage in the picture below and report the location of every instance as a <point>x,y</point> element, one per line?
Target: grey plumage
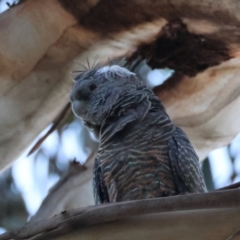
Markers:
<point>142,154</point>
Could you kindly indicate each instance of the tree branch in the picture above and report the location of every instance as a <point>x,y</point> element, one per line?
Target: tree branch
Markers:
<point>71,191</point>
<point>92,215</point>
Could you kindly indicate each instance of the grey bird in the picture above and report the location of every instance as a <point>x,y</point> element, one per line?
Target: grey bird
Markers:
<point>141,154</point>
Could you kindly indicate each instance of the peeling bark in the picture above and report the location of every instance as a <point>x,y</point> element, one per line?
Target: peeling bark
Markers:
<point>205,106</point>
<point>185,52</point>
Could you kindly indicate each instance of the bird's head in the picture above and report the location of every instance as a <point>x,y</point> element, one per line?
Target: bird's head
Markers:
<point>98,91</point>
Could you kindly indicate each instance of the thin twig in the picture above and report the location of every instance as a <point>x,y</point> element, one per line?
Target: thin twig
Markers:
<point>56,122</point>
<point>231,186</point>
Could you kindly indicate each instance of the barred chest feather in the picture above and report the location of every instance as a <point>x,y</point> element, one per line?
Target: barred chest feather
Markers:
<point>147,159</point>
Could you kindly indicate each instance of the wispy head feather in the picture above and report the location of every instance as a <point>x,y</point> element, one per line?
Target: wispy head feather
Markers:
<point>86,71</point>
<point>110,71</point>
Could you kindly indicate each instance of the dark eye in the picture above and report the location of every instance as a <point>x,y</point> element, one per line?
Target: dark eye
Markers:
<point>92,87</point>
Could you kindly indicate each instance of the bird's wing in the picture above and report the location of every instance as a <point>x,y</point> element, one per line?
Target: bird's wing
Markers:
<point>128,114</point>
<point>99,189</point>
<point>185,164</point>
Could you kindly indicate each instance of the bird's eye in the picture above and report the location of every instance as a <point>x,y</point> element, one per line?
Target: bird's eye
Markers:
<point>92,87</point>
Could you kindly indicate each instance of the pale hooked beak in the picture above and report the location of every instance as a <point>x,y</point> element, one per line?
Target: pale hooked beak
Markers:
<point>79,108</point>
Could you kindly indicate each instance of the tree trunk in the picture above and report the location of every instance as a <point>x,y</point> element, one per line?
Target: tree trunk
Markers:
<point>41,41</point>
